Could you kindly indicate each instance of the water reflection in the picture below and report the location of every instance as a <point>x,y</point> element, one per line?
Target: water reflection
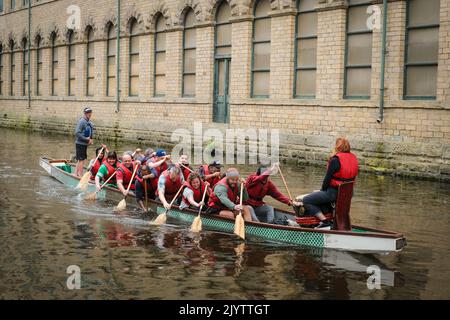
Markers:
<point>45,227</point>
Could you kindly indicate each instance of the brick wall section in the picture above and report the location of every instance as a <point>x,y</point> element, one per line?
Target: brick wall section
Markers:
<point>414,138</point>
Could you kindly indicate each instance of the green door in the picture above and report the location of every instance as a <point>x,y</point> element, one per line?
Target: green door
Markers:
<point>221,111</point>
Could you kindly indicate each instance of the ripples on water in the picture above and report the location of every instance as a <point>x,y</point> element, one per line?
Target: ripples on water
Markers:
<point>46,226</point>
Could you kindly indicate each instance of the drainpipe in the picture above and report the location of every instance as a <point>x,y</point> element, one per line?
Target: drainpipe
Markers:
<point>383,61</point>
<point>118,57</point>
<point>29,54</point>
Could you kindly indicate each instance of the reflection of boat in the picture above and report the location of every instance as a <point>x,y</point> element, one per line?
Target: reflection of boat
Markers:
<point>355,262</point>
<point>357,239</point>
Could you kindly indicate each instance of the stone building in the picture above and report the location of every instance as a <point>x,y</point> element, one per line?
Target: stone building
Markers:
<point>311,68</point>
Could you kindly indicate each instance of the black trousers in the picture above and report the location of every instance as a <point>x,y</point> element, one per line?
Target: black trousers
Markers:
<point>140,191</point>
<point>319,202</point>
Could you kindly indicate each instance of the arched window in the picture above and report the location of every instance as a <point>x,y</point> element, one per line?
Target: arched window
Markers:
<point>160,57</point>
<point>133,82</point>
<point>223,30</point>
<point>90,63</point>
<point>306,49</point>
<point>1,70</point>
<point>12,70</point>
<point>111,61</point>
<point>38,67</point>
<point>24,67</point>
<point>261,50</point>
<point>71,66</point>
<point>358,55</point>
<point>189,60</point>
<point>54,66</point>
<point>422,49</point>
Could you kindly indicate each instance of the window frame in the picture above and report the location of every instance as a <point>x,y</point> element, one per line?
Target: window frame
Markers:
<point>25,63</point>
<point>255,42</point>
<point>39,62</point>
<point>70,59</point>
<point>298,38</point>
<point>89,77</point>
<point>12,71</point>
<point>408,28</point>
<point>361,66</point>
<point>54,64</point>
<point>155,53</point>
<point>1,70</point>
<point>133,24</point>
<point>108,56</point>
<point>185,49</point>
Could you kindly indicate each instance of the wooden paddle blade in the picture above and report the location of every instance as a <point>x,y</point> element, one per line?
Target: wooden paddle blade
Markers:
<point>84,181</point>
<point>239,226</point>
<point>91,196</point>
<point>161,219</point>
<point>122,205</point>
<point>196,224</point>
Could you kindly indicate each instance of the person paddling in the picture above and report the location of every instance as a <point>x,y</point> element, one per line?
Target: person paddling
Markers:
<point>211,173</point>
<point>342,167</point>
<point>99,159</point>
<point>84,132</point>
<point>185,168</point>
<point>258,186</point>
<point>106,170</point>
<point>224,200</point>
<point>124,174</point>
<point>169,182</point>
<point>143,185</point>
<point>193,193</point>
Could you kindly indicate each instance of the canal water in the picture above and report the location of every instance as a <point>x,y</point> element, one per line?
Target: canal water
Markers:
<point>46,227</point>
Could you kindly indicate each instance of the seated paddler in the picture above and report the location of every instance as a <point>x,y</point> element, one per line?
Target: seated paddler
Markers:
<point>259,186</point>
<point>169,183</point>
<point>193,192</point>
<point>106,170</point>
<point>125,174</point>
<point>224,200</point>
<point>342,167</point>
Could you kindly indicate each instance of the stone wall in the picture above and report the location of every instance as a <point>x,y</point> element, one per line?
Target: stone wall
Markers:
<point>413,139</point>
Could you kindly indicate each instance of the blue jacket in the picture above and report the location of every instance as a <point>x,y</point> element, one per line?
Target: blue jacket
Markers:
<point>84,131</point>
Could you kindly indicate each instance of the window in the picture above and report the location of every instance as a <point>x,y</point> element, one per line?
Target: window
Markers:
<point>1,5</point>
<point>261,50</point>
<point>71,66</point>
<point>38,67</point>
<point>24,68</point>
<point>1,70</point>
<point>111,62</point>
<point>306,50</point>
<point>12,69</point>
<point>189,61</point>
<point>358,51</point>
<point>13,4</point>
<point>421,50</point>
<point>90,63</point>
<point>160,57</point>
<point>25,3</point>
<point>54,66</point>
<point>133,81</point>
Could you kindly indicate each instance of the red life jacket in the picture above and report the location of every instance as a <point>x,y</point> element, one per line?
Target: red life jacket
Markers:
<point>171,187</point>
<point>95,167</point>
<point>163,167</point>
<point>198,193</point>
<point>256,192</point>
<point>212,181</point>
<point>186,172</point>
<point>232,194</point>
<point>127,174</point>
<point>111,170</point>
<point>348,170</point>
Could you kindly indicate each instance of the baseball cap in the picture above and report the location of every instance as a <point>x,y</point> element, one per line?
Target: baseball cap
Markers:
<point>160,153</point>
<point>215,164</point>
<point>87,110</point>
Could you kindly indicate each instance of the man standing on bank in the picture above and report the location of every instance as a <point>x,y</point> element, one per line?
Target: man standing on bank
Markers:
<point>84,132</point>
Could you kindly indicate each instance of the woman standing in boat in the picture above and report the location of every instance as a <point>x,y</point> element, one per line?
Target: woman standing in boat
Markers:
<point>342,167</point>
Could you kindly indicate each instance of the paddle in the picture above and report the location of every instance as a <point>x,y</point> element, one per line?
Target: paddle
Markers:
<point>197,223</point>
<point>93,195</point>
<point>146,197</point>
<point>239,224</point>
<point>186,167</point>
<point>296,209</point>
<point>84,181</point>
<point>123,204</point>
<point>162,218</point>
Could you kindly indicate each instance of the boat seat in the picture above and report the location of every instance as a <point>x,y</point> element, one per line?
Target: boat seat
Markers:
<point>341,210</point>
